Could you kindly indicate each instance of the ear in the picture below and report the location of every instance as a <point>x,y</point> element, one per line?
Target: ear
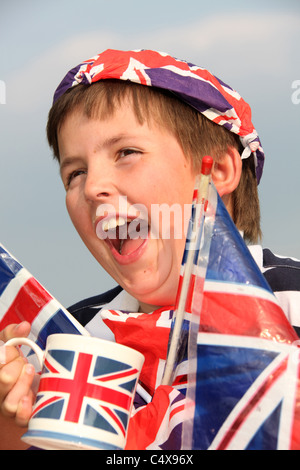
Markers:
<point>226,173</point>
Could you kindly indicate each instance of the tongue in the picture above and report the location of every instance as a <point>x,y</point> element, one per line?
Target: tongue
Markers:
<point>130,245</point>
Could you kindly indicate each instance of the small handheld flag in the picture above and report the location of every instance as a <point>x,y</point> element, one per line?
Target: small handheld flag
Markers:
<point>22,297</point>
<point>188,261</point>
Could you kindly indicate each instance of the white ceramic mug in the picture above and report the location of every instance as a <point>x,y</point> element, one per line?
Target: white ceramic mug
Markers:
<point>85,393</point>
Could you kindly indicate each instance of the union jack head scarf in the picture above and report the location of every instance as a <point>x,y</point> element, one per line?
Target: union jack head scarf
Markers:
<point>194,85</point>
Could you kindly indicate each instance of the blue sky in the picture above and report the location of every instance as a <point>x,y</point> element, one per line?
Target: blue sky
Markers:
<point>253,46</point>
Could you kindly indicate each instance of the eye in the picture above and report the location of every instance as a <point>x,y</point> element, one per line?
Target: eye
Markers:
<point>128,151</point>
<point>73,175</point>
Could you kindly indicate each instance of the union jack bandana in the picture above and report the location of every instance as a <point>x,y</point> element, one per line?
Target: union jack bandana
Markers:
<point>194,85</point>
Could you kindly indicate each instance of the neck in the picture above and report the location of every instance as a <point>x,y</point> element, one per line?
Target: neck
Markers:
<point>146,308</point>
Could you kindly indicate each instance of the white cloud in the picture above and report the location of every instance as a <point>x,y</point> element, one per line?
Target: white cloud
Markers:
<point>34,84</point>
<point>241,45</point>
<point>246,42</point>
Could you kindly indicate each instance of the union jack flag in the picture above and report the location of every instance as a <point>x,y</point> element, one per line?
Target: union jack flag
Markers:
<point>236,379</point>
<point>22,297</point>
<point>246,387</point>
<point>246,394</point>
<point>194,85</point>
<point>94,392</point>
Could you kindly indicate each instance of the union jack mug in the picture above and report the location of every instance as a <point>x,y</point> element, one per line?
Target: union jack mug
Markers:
<point>85,393</point>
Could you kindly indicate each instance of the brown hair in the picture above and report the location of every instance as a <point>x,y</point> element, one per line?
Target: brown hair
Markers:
<point>197,135</point>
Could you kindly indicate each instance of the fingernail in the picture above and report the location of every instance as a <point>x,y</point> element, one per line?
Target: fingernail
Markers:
<point>2,353</point>
<point>16,329</point>
<point>29,369</point>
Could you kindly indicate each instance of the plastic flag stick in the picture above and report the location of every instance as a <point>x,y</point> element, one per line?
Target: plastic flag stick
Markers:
<point>192,244</point>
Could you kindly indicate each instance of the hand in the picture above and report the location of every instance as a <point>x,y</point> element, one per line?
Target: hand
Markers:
<point>16,377</point>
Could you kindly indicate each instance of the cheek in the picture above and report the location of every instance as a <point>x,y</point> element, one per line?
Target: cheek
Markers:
<point>76,212</point>
<point>70,207</point>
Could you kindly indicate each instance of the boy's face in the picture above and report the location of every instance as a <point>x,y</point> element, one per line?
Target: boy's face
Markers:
<point>109,167</point>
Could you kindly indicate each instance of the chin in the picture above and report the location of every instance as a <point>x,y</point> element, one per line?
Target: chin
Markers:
<point>155,298</point>
<point>155,289</point>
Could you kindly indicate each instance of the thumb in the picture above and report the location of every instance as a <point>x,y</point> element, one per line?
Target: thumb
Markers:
<point>14,330</point>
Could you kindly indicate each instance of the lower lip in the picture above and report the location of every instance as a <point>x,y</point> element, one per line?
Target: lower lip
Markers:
<point>131,257</point>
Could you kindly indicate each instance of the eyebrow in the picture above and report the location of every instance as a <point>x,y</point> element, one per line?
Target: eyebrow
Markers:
<point>107,143</point>
<point>67,162</point>
<point>113,140</point>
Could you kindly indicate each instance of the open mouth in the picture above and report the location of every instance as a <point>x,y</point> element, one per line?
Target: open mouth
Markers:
<point>124,236</point>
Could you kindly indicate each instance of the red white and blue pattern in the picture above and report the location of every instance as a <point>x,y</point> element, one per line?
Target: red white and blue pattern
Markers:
<point>22,297</point>
<point>91,391</point>
<point>194,85</point>
<point>250,403</point>
<point>241,393</point>
<point>159,409</point>
<point>246,394</point>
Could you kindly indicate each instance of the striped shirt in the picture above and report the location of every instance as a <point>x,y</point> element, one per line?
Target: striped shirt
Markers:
<point>282,274</point>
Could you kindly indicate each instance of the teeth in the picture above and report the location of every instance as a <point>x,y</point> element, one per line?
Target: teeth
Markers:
<point>112,223</point>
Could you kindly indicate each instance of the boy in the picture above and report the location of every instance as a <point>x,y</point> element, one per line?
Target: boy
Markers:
<point>129,129</point>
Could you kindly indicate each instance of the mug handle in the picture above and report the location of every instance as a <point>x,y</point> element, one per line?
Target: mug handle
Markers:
<point>28,342</point>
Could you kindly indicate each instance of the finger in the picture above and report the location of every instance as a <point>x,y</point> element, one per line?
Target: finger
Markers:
<point>21,389</point>
<point>2,353</point>
<point>9,375</point>
<point>24,411</point>
<point>8,354</point>
<point>14,330</point>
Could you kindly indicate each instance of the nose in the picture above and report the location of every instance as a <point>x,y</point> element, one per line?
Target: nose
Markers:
<point>99,183</point>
